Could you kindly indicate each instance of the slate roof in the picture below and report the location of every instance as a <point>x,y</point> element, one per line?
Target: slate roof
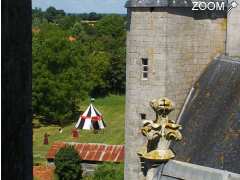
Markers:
<point>177,170</point>
<point>211,119</point>
<point>165,3</point>
<point>91,152</point>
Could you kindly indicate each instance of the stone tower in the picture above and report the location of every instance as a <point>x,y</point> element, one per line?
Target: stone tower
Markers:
<point>168,47</point>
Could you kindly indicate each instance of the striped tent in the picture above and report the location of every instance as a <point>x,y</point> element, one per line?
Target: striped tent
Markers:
<point>91,119</point>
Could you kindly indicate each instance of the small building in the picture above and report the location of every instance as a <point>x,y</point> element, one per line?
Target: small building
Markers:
<point>91,154</point>
<point>88,22</point>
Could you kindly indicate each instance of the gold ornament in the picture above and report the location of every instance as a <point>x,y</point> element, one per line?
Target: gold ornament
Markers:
<point>159,132</point>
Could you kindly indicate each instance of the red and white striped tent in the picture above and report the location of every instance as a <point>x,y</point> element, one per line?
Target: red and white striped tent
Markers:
<point>91,119</point>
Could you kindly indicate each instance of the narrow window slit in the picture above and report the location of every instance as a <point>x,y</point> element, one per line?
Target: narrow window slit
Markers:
<point>144,68</point>
<point>143,116</point>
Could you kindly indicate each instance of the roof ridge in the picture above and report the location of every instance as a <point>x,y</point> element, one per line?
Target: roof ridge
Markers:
<point>166,3</point>
<point>75,143</point>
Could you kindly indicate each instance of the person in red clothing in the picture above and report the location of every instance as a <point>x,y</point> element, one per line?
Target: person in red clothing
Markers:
<point>45,141</point>
<point>75,133</point>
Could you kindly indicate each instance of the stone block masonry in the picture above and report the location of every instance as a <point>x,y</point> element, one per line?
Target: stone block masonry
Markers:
<point>178,44</point>
<point>233,31</point>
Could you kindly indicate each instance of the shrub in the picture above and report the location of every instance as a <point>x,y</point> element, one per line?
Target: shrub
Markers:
<point>68,164</point>
<point>109,171</point>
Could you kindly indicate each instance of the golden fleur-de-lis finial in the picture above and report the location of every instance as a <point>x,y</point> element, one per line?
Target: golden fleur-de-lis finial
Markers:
<point>160,131</point>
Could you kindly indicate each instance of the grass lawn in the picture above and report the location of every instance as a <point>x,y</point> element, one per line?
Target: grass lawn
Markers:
<point>112,108</point>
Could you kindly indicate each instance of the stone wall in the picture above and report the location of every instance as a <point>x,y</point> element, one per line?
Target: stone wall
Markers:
<point>233,31</point>
<point>88,168</point>
<point>179,45</point>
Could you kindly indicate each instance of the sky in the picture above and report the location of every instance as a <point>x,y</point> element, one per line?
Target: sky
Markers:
<point>82,6</point>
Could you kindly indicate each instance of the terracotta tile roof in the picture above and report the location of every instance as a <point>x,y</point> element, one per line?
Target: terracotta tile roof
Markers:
<point>72,38</point>
<point>36,30</point>
<point>43,172</point>
<point>92,152</point>
<point>54,149</point>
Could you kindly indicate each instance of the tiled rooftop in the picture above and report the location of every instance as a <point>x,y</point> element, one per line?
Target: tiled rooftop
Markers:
<point>91,152</point>
<point>43,172</point>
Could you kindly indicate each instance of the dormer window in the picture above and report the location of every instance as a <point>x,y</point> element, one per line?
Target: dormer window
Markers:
<point>144,68</point>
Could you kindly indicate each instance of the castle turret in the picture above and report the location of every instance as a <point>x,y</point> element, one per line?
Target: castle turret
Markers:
<point>168,47</point>
<point>233,29</point>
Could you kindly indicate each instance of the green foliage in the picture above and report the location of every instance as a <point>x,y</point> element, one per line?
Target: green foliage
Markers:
<point>109,171</point>
<point>68,164</point>
<point>55,76</point>
<point>72,61</point>
<point>92,16</point>
<point>111,31</point>
<point>37,16</point>
<point>51,14</point>
<point>113,110</point>
<point>67,22</point>
<point>78,30</point>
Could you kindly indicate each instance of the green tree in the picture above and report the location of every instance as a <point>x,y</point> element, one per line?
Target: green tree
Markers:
<point>66,22</point>
<point>37,16</point>
<point>52,14</point>
<point>98,66</point>
<point>111,32</point>
<point>109,171</point>
<point>58,78</point>
<point>113,26</point>
<point>72,60</point>
<point>117,71</point>
<point>78,31</point>
<point>92,16</point>
<point>68,164</point>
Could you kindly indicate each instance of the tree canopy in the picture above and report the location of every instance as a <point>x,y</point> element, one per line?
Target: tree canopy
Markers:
<point>73,60</point>
<point>68,164</point>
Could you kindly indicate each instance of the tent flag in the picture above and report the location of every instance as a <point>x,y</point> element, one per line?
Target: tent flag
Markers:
<point>91,119</point>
